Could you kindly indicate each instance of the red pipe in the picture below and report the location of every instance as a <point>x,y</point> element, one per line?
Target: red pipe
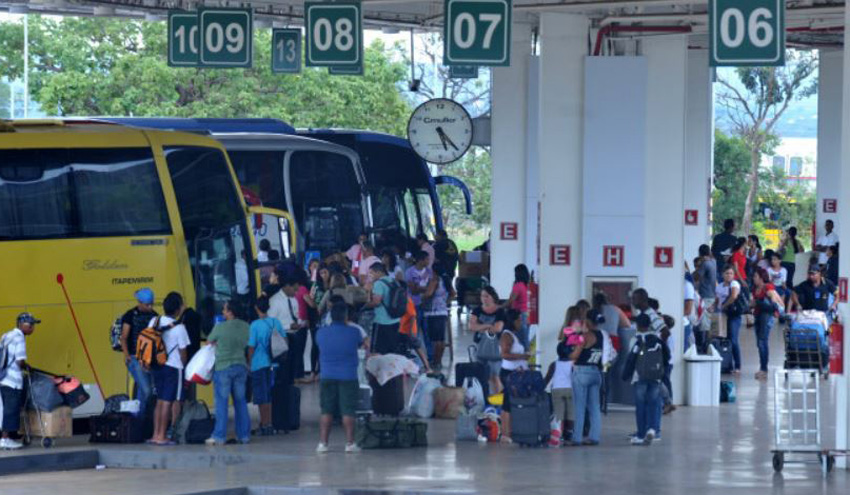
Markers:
<point>635,29</point>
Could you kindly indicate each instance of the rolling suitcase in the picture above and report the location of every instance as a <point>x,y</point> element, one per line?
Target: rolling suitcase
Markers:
<point>117,428</point>
<point>530,419</point>
<point>286,407</point>
<point>724,348</point>
<point>473,369</point>
<point>387,399</point>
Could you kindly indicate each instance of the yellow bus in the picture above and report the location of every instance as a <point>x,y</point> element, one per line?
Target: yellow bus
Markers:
<point>114,209</point>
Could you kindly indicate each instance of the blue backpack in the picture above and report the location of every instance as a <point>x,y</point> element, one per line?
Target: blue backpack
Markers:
<point>525,383</point>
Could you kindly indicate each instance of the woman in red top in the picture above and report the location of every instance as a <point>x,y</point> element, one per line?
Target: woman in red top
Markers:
<point>766,303</point>
<point>518,299</point>
<point>739,259</point>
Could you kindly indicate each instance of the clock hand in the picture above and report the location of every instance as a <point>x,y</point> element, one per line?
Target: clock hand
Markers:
<point>451,143</point>
<point>443,137</point>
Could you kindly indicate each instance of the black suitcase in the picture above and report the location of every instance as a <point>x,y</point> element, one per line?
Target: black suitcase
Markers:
<point>387,399</point>
<point>724,348</point>
<point>286,407</point>
<point>473,369</point>
<point>117,428</point>
<point>530,419</point>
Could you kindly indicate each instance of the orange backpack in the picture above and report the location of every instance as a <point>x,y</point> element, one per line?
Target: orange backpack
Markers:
<point>407,325</point>
<point>150,349</point>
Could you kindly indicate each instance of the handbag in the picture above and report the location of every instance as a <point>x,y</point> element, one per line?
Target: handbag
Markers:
<point>488,348</point>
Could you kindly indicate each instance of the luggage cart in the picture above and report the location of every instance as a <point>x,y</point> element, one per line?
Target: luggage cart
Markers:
<point>46,442</point>
<point>805,350</point>
<point>797,422</point>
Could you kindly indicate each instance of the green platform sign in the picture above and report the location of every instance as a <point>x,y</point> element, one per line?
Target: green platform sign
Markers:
<point>463,72</point>
<point>183,38</point>
<point>334,34</point>
<point>286,51</point>
<point>747,32</point>
<point>346,70</point>
<point>226,37</point>
<point>477,32</point>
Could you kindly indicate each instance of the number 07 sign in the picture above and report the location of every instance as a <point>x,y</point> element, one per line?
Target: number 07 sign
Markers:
<point>477,32</point>
<point>747,32</point>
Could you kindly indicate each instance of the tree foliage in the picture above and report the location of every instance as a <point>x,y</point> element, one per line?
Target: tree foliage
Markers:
<point>756,102</point>
<point>118,67</point>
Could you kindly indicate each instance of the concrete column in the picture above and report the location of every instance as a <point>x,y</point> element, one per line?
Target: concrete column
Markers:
<point>509,114</point>
<point>667,62</point>
<point>532,167</point>
<point>829,133</point>
<point>841,383</point>
<point>563,40</point>
<point>699,151</point>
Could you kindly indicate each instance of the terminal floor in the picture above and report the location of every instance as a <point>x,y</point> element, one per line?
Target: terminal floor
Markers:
<point>712,450</point>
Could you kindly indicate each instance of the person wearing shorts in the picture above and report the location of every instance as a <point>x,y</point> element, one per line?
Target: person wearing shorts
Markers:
<point>436,319</point>
<point>338,344</point>
<point>260,357</point>
<point>168,379</point>
<point>560,376</point>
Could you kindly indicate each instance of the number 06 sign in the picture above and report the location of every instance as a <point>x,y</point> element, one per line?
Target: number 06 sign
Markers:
<point>477,32</point>
<point>747,32</point>
<point>334,34</point>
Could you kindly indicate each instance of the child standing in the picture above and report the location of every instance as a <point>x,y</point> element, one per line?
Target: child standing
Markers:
<point>560,374</point>
<point>645,368</point>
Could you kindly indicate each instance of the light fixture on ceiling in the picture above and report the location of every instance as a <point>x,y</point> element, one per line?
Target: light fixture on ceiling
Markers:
<point>390,30</point>
<point>104,11</point>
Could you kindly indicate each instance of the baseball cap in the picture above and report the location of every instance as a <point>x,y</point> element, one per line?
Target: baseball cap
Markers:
<point>144,296</point>
<point>814,269</point>
<point>27,318</point>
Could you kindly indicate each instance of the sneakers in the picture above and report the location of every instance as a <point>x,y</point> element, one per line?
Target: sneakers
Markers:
<point>212,442</point>
<point>636,440</point>
<point>323,448</point>
<point>352,448</point>
<point>650,436</point>
<point>9,444</point>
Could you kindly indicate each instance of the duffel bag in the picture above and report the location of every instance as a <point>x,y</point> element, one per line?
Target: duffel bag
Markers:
<point>390,433</point>
<point>71,390</point>
<point>44,395</point>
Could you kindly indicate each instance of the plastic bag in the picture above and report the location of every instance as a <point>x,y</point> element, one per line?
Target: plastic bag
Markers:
<point>555,432</point>
<point>474,395</point>
<point>421,402</point>
<point>200,367</point>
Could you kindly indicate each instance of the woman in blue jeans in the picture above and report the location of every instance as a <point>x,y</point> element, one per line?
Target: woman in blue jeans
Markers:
<point>727,292</point>
<point>767,302</point>
<point>587,380</point>
<point>230,338</point>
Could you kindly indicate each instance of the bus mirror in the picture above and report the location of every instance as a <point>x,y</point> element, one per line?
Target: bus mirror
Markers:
<point>283,224</point>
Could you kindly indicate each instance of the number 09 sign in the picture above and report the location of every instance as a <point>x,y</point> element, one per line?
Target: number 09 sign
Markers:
<point>334,34</point>
<point>747,32</point>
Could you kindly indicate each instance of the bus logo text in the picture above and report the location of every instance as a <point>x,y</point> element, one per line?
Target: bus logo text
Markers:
<point>132,280</point>
<point>104,265</point>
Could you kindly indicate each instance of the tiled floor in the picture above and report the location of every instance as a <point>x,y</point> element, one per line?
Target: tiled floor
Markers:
<point>704,450</point>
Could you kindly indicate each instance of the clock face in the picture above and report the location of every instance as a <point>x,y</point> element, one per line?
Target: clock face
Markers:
<point>440,131</point>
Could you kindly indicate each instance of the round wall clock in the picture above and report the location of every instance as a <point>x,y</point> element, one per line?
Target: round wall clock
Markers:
<point>440,130</point>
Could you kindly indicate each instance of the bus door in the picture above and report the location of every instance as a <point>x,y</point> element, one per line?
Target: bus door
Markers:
<point>274,238</point>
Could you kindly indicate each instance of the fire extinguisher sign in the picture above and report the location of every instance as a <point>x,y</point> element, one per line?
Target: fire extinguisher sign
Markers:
<point>836,349</point>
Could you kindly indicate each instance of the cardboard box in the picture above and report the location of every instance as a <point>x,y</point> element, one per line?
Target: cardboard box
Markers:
<point>57,423</point>
<point>474,264</point>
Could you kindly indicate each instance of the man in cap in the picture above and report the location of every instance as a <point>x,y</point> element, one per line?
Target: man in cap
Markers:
<point>132,323</point>
<point>12,382</point>
<point>814,293</point>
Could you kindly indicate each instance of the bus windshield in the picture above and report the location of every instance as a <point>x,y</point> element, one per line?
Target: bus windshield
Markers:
<point>80,192</point>
<point>214,226</point>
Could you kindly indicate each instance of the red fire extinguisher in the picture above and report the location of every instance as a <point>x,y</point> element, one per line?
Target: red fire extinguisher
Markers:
<point>836,349</point>
<point>533,298</point>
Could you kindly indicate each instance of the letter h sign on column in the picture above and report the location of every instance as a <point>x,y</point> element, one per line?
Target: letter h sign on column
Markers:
<point>613,256</point>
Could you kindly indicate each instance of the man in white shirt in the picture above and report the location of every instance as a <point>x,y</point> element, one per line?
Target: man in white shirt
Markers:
<point>284,307</point>
<point>827,239</point>
<point>168,379</point>
<point>12,384</point>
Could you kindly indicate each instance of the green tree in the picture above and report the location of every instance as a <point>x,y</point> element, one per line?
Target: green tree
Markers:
<point>100,66</point>
<point>756,102</point>
<point>731,164</point>
<point>475,169</point>
<point>5,100</point>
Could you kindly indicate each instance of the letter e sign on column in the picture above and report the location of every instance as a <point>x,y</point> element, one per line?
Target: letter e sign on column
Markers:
<point>663,256</point>
<point>559,255</point>
<point>508,231</point>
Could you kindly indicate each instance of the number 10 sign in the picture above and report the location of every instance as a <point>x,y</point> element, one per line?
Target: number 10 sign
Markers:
<point>747,32</point>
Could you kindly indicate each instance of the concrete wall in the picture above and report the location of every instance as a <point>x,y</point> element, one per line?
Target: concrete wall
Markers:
<point>699,151</point>
<point>829,134</point>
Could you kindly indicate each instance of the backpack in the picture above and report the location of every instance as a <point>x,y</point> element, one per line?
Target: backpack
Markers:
<point>150,348</point>
<point>396,300</point>
<point>649,363</point>
<point>115,335</point>
<point>192,411</point>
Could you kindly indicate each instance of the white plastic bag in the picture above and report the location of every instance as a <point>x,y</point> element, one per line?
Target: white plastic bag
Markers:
<point>200,367</point>
<point>421,402</point>
<point>474,395</point>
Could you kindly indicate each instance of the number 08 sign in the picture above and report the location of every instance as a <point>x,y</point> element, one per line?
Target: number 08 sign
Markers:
<point>334,34</point>
<point>747,32</point>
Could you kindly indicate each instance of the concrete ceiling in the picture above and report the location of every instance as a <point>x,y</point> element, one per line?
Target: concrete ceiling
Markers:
<point>811,22</point>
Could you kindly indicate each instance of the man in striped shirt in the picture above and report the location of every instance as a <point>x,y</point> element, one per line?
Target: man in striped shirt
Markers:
<point>12,382</point>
